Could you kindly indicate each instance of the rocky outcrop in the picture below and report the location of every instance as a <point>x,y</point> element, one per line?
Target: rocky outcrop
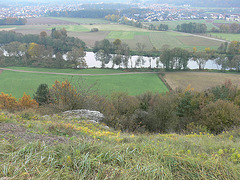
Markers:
<point>93,116</point>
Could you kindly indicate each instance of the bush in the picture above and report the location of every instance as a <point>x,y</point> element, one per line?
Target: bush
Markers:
<point>220,115</point>
<point>8,102</point>
<point>26,102</point>
<point>162,115</point>
<point>11,104</point>
<point>42,94</point>
<point>122,109</point>
<point>64,96</point>
<point>227,91</point>
<point>94,30</point>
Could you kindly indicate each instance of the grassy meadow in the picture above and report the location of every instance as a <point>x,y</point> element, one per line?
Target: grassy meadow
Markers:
<point>55,147</point>
<point>16,83</point>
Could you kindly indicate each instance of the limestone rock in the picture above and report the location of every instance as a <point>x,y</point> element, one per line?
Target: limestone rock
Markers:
<point>93,116</point>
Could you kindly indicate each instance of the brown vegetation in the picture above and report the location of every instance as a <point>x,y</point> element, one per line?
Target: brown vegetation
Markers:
<point>199,80</point>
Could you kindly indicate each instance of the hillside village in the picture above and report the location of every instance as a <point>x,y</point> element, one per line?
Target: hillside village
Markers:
<point>152,12</point>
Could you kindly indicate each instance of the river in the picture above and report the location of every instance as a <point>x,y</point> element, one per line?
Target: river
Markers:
<point>91,62</point>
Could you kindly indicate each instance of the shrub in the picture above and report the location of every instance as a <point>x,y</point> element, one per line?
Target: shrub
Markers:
<point>42,94</point>
<point>26,102</point>
<point>64,96</point>
<point>227,91</point>
<point>8,102</point>
<point>122,109</point>
<point>220,115</point>
<point>94,30</point>
<point>162,115</point>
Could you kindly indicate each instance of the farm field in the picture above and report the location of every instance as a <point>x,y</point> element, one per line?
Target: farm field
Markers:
<point>200,81</point>
<point>73,28</point>
<point>78,27</point>
<point>82,20</point>
<point>226,36</point>
<point>17,83</point>
<point>47,21</point>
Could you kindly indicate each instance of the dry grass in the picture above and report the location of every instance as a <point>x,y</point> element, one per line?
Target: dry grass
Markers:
<point>89,37</point>
<point>48,21</point>
<point>199,80</point>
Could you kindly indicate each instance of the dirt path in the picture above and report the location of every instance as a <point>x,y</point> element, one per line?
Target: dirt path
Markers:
<point>70,74</point>
<point>211,38</point>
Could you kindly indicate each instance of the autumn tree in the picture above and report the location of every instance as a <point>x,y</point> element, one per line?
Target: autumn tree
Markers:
<point>35,50</point>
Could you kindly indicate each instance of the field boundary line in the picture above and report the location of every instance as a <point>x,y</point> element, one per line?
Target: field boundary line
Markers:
<point>165,82</point>
<point>72,74</point>
<point>210,38</point>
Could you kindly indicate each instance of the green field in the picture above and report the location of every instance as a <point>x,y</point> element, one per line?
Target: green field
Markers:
<point>83,20</point>
<point>17,83</point>
<point>120,35</point>
<point>187,41</point>
<point>224,21</point>
<point>73,28</point>
<point>226,36</point>
<point>72,71</point>
<point>116,27</point>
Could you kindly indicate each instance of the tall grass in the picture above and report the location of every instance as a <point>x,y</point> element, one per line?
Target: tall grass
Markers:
<point>90,151</point>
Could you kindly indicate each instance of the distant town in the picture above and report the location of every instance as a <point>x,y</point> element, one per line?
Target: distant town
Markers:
<point>149,13</point>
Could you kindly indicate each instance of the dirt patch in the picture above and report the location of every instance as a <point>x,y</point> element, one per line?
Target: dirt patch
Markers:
<point>89,37</point>
<point>1,71</point>
<point>20,132</point>
<point>47,21</point>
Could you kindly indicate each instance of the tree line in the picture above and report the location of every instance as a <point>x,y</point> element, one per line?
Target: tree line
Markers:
<point>58,39</point>
<point>192,27</point>
<point>41,50</point>
<point>227,28</point>
<point>227,56</point>
<point>13,21</point>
